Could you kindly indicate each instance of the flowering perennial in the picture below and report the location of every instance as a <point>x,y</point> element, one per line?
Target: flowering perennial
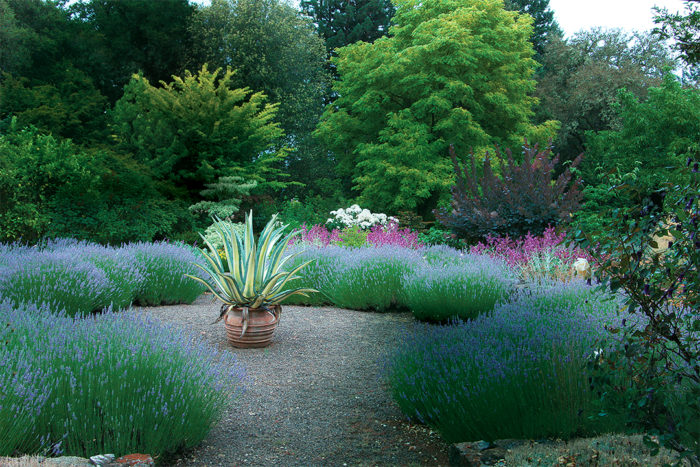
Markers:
<point>356,216</point>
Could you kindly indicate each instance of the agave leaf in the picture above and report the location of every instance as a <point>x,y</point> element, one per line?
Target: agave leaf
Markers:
<point>214,252</point>
<point>211,289</point>
<point>276,299</point>
<point>249,282</point>
<point>234,289</point>
<point>291,275</point>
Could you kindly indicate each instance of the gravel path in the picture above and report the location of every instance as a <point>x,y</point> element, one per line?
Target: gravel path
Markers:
<point>314,396</point>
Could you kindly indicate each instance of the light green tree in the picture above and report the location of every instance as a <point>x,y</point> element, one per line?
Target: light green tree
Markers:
<point>450,71</point>
<point>197,128</point>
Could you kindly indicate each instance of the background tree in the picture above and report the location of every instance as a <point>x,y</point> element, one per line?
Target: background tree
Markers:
<point>196,129</point>
<point>544,27</point>
<point>276,51</point>
<point>344,22</point>
<point>46,64</point>
<point>581,77</point>
<point>652,139</point>
<point>683,29</point>
<point>136,35</point>
<point>457,71</point>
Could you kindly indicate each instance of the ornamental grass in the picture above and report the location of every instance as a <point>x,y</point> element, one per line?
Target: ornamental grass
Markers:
<point>517,372</point>
<point>116,382</point>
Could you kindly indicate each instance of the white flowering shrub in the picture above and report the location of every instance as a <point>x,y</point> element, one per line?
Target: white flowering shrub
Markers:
<point>356,216</point>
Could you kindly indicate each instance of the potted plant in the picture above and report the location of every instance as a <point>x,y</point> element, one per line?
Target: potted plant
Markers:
<point>250,280</point>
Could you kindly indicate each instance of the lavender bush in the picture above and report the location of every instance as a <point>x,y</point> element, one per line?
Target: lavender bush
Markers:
<point>163,267</point>
<point>456,286</point>
<point>80,277</point>
<point>517,372</point>
<point>118,383</point>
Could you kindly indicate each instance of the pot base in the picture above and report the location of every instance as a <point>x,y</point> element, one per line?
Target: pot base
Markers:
<point>261,327</point>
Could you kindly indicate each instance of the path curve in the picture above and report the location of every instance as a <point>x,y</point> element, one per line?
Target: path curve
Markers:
<point>314,396</point>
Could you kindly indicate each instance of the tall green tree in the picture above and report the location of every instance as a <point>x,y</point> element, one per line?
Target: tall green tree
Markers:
<point>46,59</point>
<point>455,71</point>
<point>581,77</point>
<point>344,22</point>
<point>197,128</point>
<point>653,137</point>
<point>144,36</point>
<point>276,51</point>
<point>544,27</point>
<point>684,29</point>
<point>272,49</point>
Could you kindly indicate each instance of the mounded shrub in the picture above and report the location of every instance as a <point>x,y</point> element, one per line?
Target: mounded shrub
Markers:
<point>517,372</point>
<point>118,383</point>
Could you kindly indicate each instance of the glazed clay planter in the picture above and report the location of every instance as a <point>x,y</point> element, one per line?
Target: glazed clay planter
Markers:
<point>259,330</point>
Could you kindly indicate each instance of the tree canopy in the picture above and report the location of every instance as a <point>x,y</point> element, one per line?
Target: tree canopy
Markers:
<point>581,77</point>
<point>457,71</point>
<point>344,22</point>
<point>197,128</point>
<point>544,27</point>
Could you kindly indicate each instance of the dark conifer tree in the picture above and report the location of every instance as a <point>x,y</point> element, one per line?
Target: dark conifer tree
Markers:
<point>544,26</point>
<point>343,22</point>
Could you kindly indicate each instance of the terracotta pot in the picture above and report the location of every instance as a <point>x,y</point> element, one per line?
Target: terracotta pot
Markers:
<point>261,326</point>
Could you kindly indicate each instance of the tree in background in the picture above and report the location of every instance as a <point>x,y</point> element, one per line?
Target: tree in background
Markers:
<point>581,77</point>
<point>136,35</point>
<point>683,29</point>
<point>457,71</point>
<point>544,26</point>
<point>272,49</point>
<point>51,188</point>
<point>653,138</point>
<point>344,22</point>
<point>197,128</point>
<point>276,51</point>
<point>44,55</point>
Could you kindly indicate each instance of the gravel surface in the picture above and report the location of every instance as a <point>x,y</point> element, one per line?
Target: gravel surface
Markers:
<point>314,396</point>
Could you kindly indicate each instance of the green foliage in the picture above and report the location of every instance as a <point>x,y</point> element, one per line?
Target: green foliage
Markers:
<point>144,387</point>
<point>72,108</point>
<point>653,137</point>
<point>195,129</point>
<point>228,193</point>
<point>580,79</point>
<point>352,237</point>
<point>311,211</point>
<point>49,187</point>
<point>661,286</point>
<point>341,23</point>
<point>524,200</point>
<point>137,36</point>
<point>450,71</point>
<point>273,50</point>
<point>544,25</point>
<point>462,290</point>
<point>514,373</point>
<point>683,29</point>
<point>439,236</point>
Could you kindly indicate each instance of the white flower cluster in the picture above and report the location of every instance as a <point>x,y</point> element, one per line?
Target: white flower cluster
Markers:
<point>356,216</point>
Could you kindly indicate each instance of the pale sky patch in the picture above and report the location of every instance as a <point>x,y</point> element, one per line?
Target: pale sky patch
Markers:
<point>577,15</point>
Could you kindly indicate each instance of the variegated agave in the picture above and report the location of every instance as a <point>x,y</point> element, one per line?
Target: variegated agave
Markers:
<point>253,275</point>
